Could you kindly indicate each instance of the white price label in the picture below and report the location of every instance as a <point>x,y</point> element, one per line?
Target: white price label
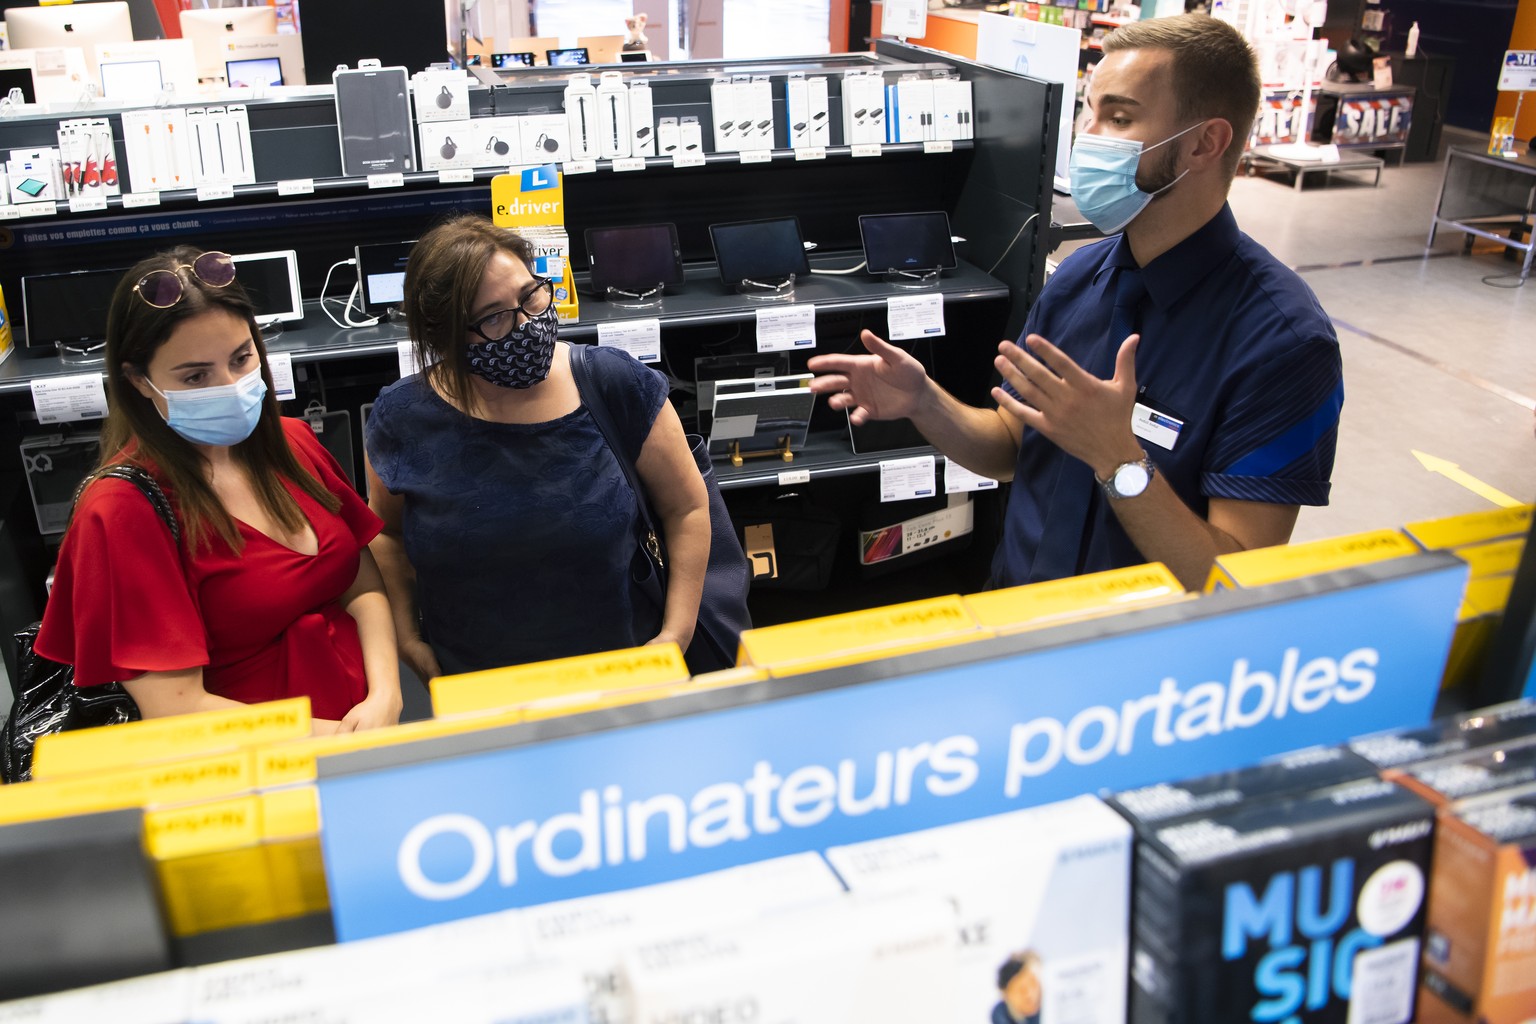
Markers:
<point>756,156</point>
<point>958,479</point>
<point>10,213</point>
<point>87,204</point>
<point>405,351</point>
<point>296,187</point>
<point>687,159</point>
<point>281,365</point>
<point>62,399</point>
<point>640,338</point>
<point>902,479</point>
<point>455,175</point>
<point>629,163</point>
<point>811,153</point>
<point>223,190</point>
<point>915,316</point>
<point>865,149</point>
<point>579,167</point>
<point>395,180</point>
<point>794,477</point>
<point>784,328</point>
<point>47,209</point>
<point>137,200</point>
<point>938,146</point>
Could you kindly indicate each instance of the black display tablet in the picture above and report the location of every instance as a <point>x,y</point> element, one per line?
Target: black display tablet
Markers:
<point>634,259</point>
<point>907,242</point>
<point>569,57</point>
<point>759,251</point>
<point>381,271</point>
<point>521,59</point>
<point>67,309</point>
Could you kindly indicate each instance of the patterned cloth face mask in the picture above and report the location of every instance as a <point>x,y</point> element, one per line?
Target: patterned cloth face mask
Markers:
<point>522,357</point>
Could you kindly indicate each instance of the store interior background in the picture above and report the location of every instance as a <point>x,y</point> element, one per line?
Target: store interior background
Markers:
<point>1437,344</point>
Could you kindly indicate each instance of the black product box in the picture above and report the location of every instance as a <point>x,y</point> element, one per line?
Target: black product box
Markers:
<point>1289,910</point>
<point>1451,736</point>
<point>1300,771</point>
<point>1474,773</point>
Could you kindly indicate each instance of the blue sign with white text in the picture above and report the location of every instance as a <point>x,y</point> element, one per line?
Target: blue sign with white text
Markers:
<point>419,844</point>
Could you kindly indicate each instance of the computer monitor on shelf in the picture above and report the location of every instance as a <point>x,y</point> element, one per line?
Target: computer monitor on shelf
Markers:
<point>18,78</point>
<point>211,30</point>
<point>81,26</point>
<point>131,81</point>
<point>571,56</point>
<point>253,72</point>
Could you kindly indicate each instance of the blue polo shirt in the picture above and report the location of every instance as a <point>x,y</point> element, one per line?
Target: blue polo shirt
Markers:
<point>1233,344</point>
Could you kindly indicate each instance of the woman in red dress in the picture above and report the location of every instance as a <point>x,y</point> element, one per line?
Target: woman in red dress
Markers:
<point>272,592</point>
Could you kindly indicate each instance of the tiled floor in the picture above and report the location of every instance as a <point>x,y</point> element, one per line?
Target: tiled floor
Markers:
<point>1435,360</point>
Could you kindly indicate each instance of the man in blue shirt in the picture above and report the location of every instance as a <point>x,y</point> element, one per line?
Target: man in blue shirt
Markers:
<point>1176,395</point>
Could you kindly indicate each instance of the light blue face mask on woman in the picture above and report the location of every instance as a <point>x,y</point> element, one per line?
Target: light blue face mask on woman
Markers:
<point>1103,175</point>
<point>222,415</point>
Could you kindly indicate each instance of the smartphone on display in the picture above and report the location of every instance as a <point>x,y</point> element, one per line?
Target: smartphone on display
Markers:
<point>373,117</point>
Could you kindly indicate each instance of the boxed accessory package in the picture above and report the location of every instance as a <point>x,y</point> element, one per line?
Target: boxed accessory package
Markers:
<point>723,99</point>
<point>613,132</point>
<point>863,108</point>
<point>88,158</point>
<point>448,144</point>
<point>220,138</point>
<point>952,109</point>
<point>156,146</point>
<point>581,117</point>
<point>542,138</point>
<point>1449,736</point>
<point>1046,888</point>
<point>34,176</point>
<point>373,119</point>
<point>55,464</point>
<point>805,101</point>
<point>790,540</point>
<point>552,259</point>
<point>588,936</point>
<point>1308,909</point>
<point>1480,948</point>
<point>897,534</point>
<point>853,959</point>
<point>909,101</point>
<point>689,135</point>
<point>669,137</point>
<point>497,142</point>
<point>642,120</point>
<point>1471,774</point>
<point>441,96</point>
<point>754,113</point>
<point>1300,771</point>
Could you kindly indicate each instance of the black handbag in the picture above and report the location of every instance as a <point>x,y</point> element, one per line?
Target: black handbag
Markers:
<point>723,611</point>
<point>47,699</point>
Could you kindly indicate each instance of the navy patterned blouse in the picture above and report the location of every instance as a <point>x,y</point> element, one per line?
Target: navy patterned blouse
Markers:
<point>521,534</point>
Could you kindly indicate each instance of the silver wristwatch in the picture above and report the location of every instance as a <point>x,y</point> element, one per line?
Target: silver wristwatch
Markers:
<point>1129,478</point>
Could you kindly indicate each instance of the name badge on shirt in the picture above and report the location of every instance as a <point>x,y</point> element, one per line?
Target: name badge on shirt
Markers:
<point>1158,427</point>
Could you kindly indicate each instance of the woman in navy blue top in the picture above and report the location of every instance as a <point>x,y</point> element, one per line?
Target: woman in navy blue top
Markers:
<point>509,525</point>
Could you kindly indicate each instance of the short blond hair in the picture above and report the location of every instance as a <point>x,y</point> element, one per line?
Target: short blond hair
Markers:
<point>1215,73</point>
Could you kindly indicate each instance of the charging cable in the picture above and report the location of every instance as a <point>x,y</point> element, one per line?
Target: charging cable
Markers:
<point>850,270</point>
<point>346,319</point>
<point>1017,235</point>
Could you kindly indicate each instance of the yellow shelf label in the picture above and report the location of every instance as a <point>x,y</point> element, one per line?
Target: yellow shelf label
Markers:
<point>856,635</point>
<point>587,673</point>
<point>160,739</point>
<point>1494,558</point>
<point>800,668</point>
<point>197,778</point>
<point>1470,528</point>
<point>1037,604</point>
<point>289,813</point>
<point>1487,596</point>
<point>202,827</point>
<point>1263,566</point>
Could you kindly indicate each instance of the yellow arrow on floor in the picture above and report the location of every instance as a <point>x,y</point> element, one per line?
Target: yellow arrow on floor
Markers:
<point>1456,474</point>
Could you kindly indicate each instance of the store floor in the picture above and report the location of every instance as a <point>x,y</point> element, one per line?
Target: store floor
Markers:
<point>1435,360</point>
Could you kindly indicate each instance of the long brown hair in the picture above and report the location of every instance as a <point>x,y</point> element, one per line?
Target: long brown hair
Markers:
<point>441,280</point>
<point>135,332</point>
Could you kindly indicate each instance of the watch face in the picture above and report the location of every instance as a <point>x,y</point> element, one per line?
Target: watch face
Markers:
<point>1131,479</point>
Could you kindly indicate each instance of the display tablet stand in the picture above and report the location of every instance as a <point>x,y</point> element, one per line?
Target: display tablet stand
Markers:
<point>781,290</point>
<point>81,353</point>
<point>781,450</point>
<point>645,299</point>
<point>913,278</point>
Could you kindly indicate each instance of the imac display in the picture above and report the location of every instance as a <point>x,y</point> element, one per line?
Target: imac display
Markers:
<point>258,71</point>
<point>82,26</point>
<point>209,30</point>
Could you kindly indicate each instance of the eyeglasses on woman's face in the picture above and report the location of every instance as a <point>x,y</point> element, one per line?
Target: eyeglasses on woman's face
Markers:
<point>164,288</point>
<point>536,300</point>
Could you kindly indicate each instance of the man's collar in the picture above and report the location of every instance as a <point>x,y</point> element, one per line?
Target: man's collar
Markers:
<point>1176,271</point>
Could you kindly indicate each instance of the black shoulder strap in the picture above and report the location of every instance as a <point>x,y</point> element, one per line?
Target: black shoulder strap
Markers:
<point>140,478</point>
<point>592,397</point>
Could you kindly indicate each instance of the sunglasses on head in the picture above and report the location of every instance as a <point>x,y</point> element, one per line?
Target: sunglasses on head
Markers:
<point>164,288</point>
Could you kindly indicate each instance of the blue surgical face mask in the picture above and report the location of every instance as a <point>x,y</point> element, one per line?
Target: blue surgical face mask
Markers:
<point>1103,174</point>
<point>221,415</point>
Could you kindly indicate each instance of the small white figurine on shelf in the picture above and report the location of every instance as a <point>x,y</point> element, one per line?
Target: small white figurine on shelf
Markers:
<point>634,32</point>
